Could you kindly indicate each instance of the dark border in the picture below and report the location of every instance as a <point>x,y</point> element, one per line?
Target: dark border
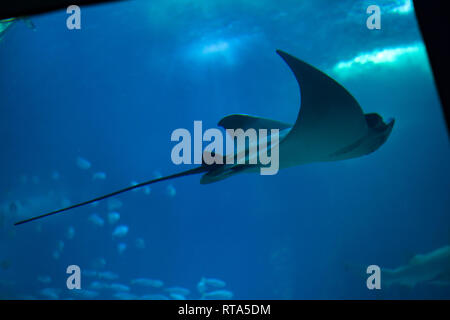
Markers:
<point>434,23</point>
<point>279,309</point>
<point>20,8</point>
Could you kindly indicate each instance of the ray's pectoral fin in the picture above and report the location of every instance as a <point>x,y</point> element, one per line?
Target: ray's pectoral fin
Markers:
<point>327,108</point>
<point>330,119</point>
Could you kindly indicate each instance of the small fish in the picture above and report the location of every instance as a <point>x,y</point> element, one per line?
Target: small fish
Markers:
<point>201,286</point>
<point>83,163</point>
<point>97,285</point>
<point>55,175</point>
<point>120,231</point>
<point>215,283</point>
<point>70,233</point>
<point>113,217</point>
<point>89,273</point>
<point>44,279</point>
<point>206,284</point>
<point>98,263</point>
<point>124,296</point>
<point>94,204</point>
<point>114,204</point>
<point>50,293</point>
<point>157,174</point>
<point>147,282</point>
<point>107,275</point>
<point>154,297</point>
<point>134,183</point>
<point>65,202</point>
<point>178,290</point>
<point>140,243</point>
<point>60,245</point>
<point>96,220</point>
<point>119,287</point>
<point>217,295</point>
<point>99,176</point>
<point>56,254</point>
<point>147,190</point>
<point>121,247</point>
<point>175,296</point>
<point>171,191</point>
<point>85,294</point>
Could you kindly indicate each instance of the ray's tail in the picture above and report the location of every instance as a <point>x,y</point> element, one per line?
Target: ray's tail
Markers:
<point>197,170</point>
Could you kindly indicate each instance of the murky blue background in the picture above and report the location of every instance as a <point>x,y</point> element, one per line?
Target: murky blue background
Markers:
<point>114,91</point>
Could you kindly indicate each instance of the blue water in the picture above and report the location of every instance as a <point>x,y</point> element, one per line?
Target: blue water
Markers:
<point>114,91</point>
